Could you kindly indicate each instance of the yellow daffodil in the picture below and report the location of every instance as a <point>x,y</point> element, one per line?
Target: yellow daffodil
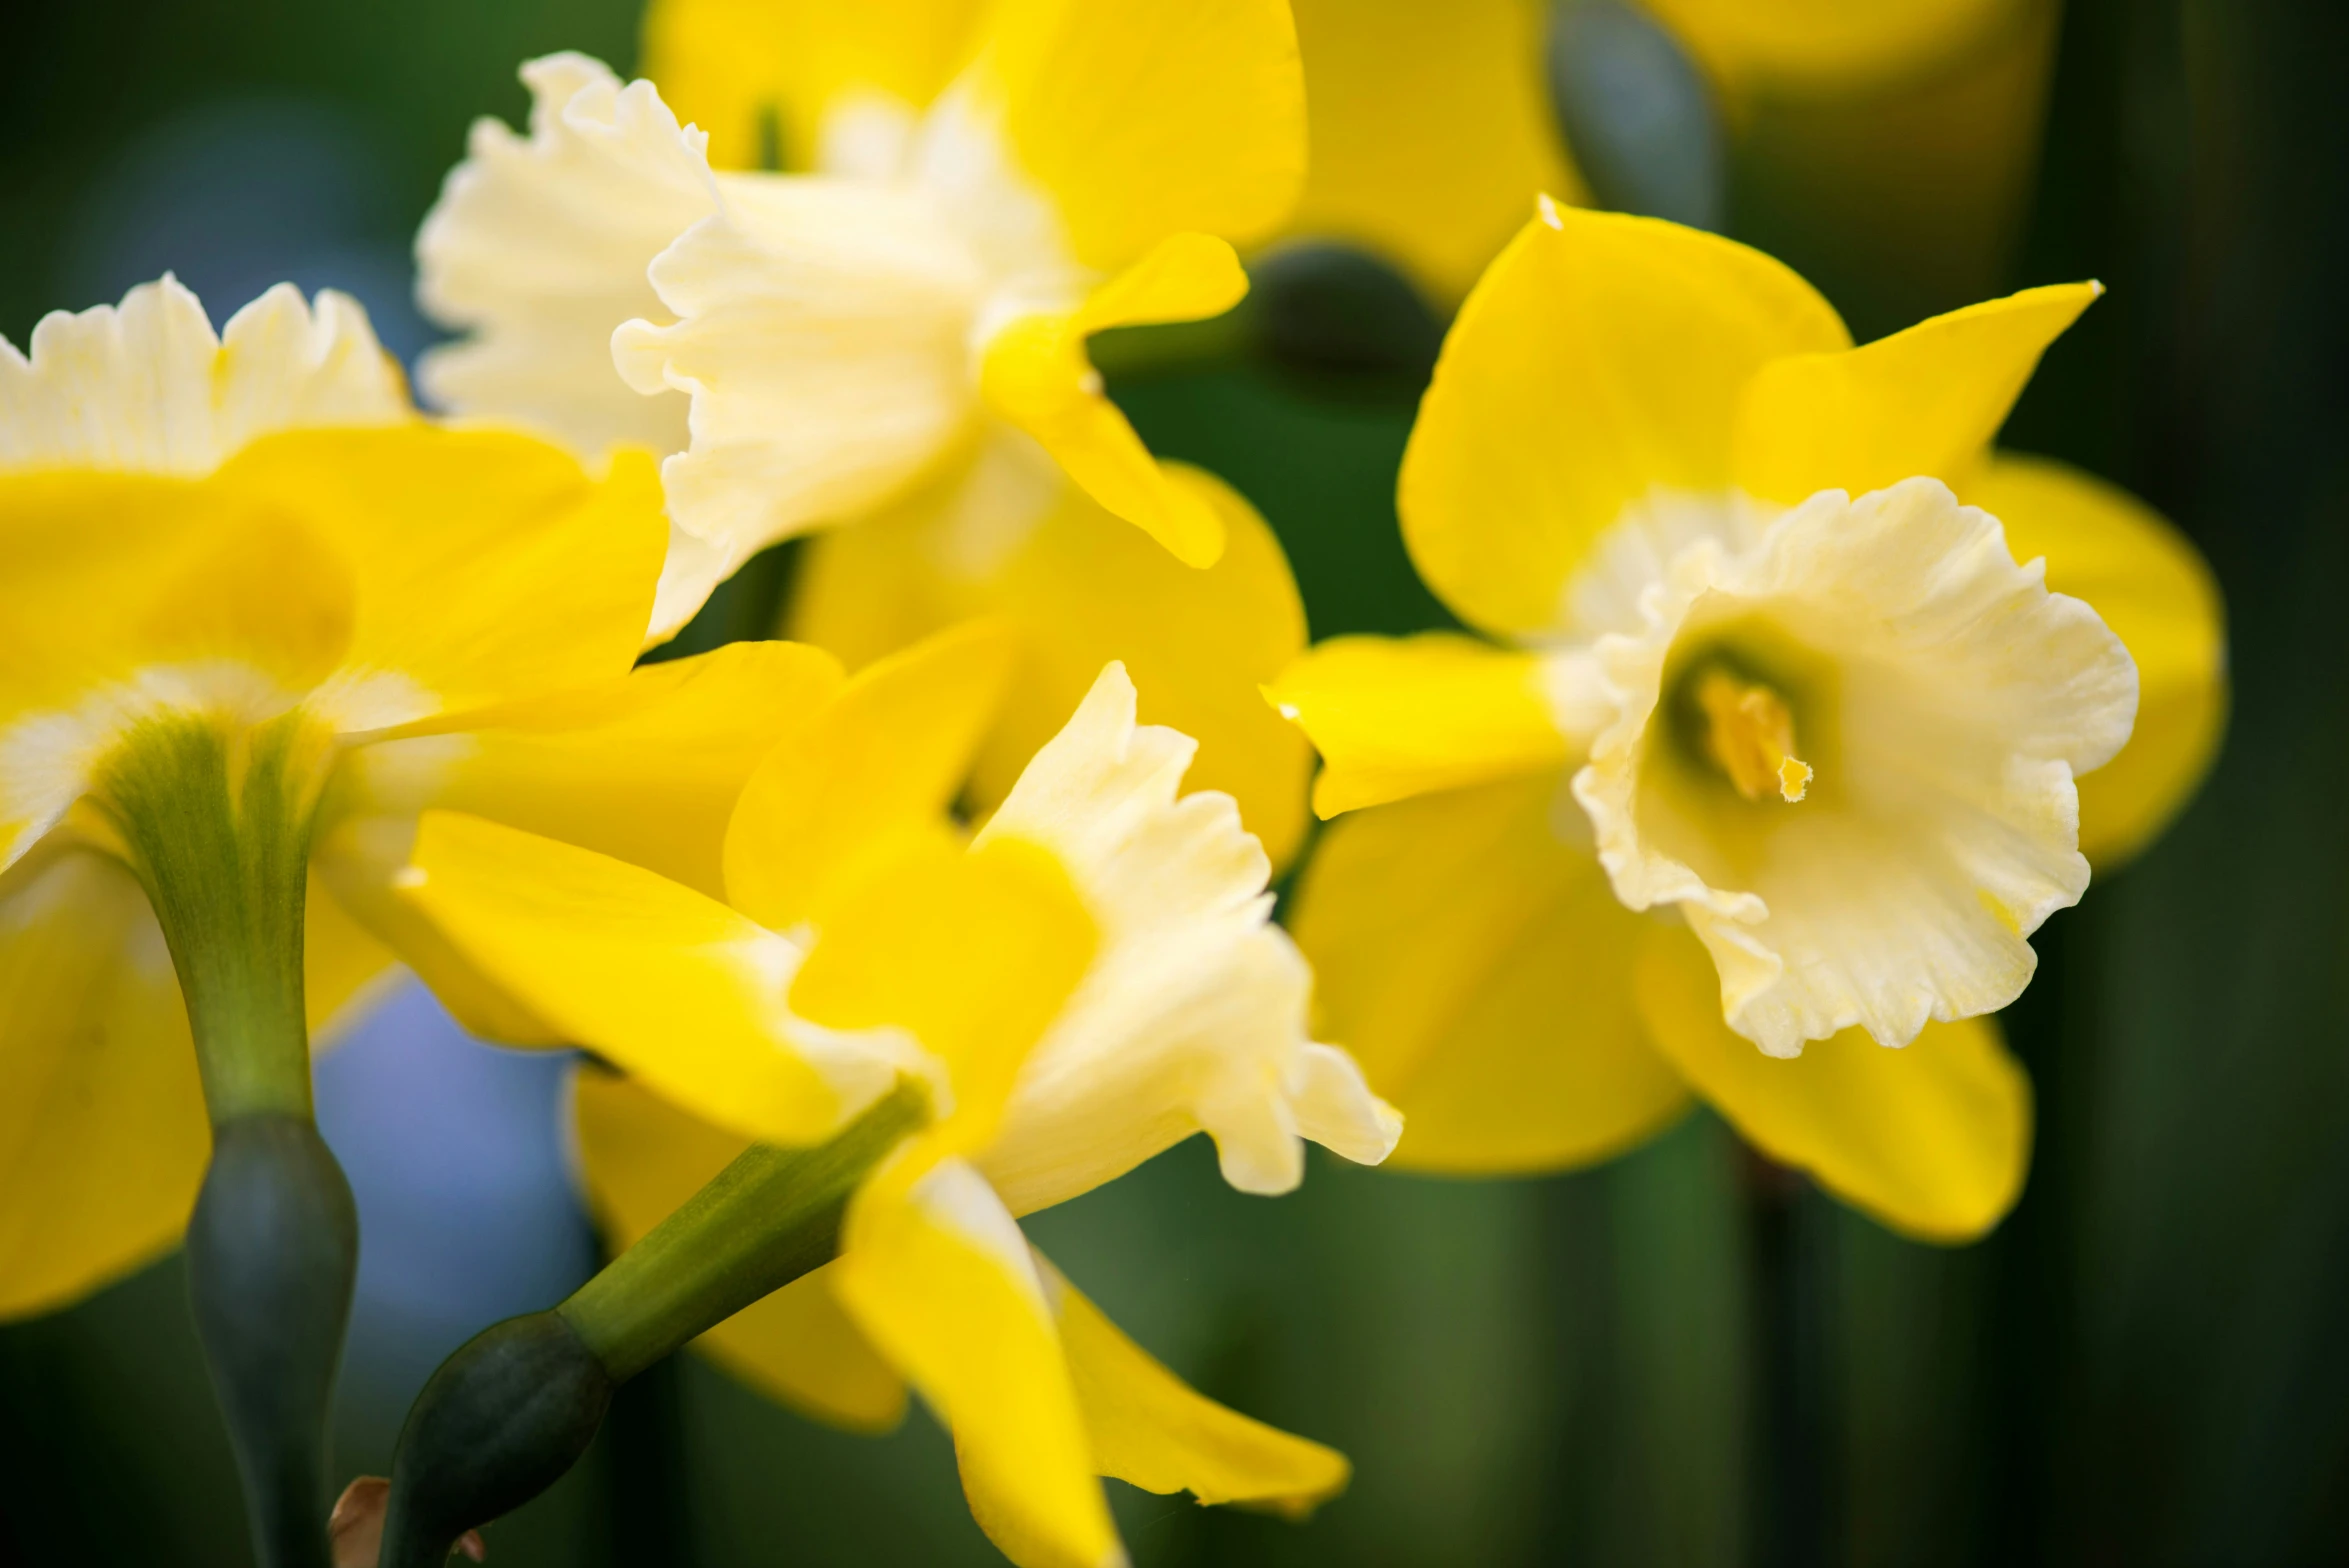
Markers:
<point>245,557</point>
<point>1832,46</point>
<point>843,961</point>
<point>1834,739</point>
<point>892,335</point>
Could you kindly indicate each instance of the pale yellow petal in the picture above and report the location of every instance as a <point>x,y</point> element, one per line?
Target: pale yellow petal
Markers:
<point>1080,589</point>
<point>103,1136</point>
<point>669,984</point>
<point>1597,362</point>
<point>2148,583</point>
<point>1035,374</point>
<point>1924,401</point>
<point>1152,1430</point>
<point>937,1273</point>
<point>1396,717</point>
<point>806,69</point>
<point>145,387</point>
<point>874,771</point>
<point>642,1158</point>
<point>1151,117</point>
<point>345,968</point>
<point>1431,130</point>
<point>1469,951</point>
<point>537,250</point>
<point>1933,1138</point>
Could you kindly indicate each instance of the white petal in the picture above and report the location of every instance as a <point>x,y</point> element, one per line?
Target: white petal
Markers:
<point>823,332</point>
<point>145,386</point>
<point>1957,698</point>
<point>1193,1015</point>
<point>539,246</point>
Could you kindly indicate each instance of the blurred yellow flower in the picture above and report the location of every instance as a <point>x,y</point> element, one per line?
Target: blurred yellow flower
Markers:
<point>1837,737</point>
<point>247,555</point>
<point>894,336</point>
<point>1092,980</point>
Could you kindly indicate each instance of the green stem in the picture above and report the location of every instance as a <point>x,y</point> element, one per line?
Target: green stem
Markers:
<point>511,1412</point>
<point>217,821</point>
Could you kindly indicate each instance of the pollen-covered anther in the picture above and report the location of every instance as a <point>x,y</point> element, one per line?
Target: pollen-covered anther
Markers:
<point>1750,734</point>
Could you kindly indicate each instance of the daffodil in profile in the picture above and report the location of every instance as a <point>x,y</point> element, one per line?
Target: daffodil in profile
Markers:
<point>887,342</point>
<point>1777,746</point>
<point>1091,980</point>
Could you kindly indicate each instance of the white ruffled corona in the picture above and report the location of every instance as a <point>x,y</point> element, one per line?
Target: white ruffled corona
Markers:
<point>1843,744</point>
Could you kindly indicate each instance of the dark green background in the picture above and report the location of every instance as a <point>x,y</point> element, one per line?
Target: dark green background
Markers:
<point>1677,1359</point>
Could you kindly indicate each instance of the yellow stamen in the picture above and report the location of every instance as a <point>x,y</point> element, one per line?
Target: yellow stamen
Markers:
<point>1751,735</point>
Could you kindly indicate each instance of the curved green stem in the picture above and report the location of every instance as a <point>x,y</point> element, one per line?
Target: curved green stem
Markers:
<point>508,1414</point>
<point>217,820</point>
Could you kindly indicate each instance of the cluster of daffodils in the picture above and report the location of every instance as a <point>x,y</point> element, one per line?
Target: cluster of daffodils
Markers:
<point>1795,709</point>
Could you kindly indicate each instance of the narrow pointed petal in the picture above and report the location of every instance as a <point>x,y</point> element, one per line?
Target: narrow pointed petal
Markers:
<point>1933,1138</point>
<point>1152,1430</point>
<point>345,968</point>
<point>2148,583</point>
<point>103,1136</point>
<point>1035,374</point>
<point>1924,401</point>
<point>936,1271</point>
<point>874,771</point>
<point>1399,716</point>
<point>1597,363</point>
<point>1470,953</point>
<point>1148,118</point>
<point>669,984</point>
<point>642,1158</point>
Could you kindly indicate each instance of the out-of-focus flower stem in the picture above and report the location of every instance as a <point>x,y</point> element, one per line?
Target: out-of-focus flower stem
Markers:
<point>512,1410</point>
<point>216,820</point>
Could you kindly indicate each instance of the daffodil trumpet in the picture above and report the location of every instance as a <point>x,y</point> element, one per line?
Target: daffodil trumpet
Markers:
<point>511,1412</point>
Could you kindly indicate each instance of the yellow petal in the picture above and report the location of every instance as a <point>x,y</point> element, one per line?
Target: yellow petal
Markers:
<point>1924,401</point>
<point>1933,1139</point>
<point>103,1137</point>
<point>642,1158</point>
<point>1401,716</point>
<point>1036,375</point>
<point>1152,1430</point>
<point>871,773</point>
<point>971,953</point>
<point>1150,117</point>
<point>344,967</point>
<point>2152,587</point>
<point>1597,362</point>
<point>1080,589</point>
<point>734,67</point>
<point>1470,953</point>
<point>453,539</point>
<point>937,1273</point>
<point>671,985</point>
<point>646,767</point>
<point>1431,125</point>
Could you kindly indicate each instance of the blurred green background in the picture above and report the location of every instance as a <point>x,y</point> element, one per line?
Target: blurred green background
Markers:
<point>1682,1358</point>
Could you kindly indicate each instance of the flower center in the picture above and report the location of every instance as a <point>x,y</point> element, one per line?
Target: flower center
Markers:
<point>1749,734</point>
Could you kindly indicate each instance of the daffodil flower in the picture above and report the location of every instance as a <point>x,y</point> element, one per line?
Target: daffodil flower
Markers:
<point>257,617</point>
<point>843,961</point>
<point>892,336</point>
<point>1835,740</point>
